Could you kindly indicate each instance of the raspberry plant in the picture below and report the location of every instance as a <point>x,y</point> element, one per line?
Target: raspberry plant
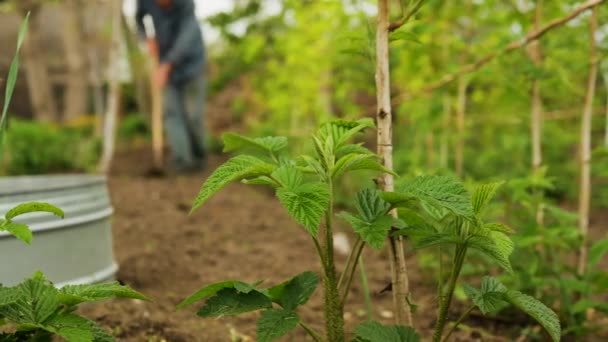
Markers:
<point>435,211</point>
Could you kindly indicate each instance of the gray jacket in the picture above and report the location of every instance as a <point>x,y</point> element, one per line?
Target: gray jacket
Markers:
<point>180,41</point>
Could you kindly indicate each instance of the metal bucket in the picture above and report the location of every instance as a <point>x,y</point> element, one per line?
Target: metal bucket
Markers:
<point>75,250</point>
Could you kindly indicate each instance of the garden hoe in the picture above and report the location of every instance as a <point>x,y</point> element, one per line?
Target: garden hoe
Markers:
<point>157,105</point>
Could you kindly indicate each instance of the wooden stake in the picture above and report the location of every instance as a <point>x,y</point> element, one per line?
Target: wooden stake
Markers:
<point>400,282</point>
<point>537,113</point>
<point>585,160</point>
<point>114,94</point>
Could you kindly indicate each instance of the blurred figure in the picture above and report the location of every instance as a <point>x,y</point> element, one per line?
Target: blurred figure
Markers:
<point>178,45</point>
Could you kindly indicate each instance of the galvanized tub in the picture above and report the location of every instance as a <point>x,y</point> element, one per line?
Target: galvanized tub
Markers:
<point>75,250</point>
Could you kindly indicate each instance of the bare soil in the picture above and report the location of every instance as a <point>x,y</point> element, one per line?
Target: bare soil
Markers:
<point>242,233</point>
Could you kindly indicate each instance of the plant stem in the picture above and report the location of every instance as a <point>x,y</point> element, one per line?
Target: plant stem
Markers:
<point>366,291</point>
<point>334,308</point>
<point>444,305</point>
<point>320,252</point>
<point>315,335</point>
<point>352,272</point>
<point>349,262</point>
<point>462,318</point>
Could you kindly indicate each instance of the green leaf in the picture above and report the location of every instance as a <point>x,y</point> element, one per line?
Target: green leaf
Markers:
<point>373,233</point>
<point>437,239</point>
<point>230,302</point>
<point>497,252</point>
<point>596,252</point>
<point>12,77</point>
<point>537,310</point>
<point>71,327</point>
<point>294,292</point>
<point>483,194</point>
<point>491,296</point>
<point>20,231</point>
<point>404,35</point>
<point>339,131</point>
<point>274,323</point>
<point>100,334</point>
<point>442,191</point>
<point>234,142</point>
<point>37,301</point>
<point>351,148</point>
<point>373,221</point>
<point>306,203</point>
<point>288,176</point>
<point>399,200</point>
<point>235,169</point>
<point>372,331</point>
<point>32,207</point>
<point>76,294</point>
<point>8,295</point>
<point>212,289</point>
<point>370,205</point>
<point>354,162</point>
<point>498,227</point>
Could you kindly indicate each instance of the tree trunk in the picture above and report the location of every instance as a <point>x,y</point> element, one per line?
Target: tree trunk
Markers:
<point>114,89</point>
<point>585,161</point>
<point>461,109</point>
<point>74,47</point>
<point>537,114</point>
<point>36,72</point>
<point>400,283</point>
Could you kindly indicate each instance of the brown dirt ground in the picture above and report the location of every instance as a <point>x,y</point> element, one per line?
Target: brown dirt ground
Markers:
<point>242,233</point>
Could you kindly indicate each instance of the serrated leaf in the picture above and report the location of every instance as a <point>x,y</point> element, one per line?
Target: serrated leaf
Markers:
<point>437,239</point>
<point>306,203</point>
<point>502,242</point>
<point>37,301</point>
<point>18,230</point>
<point>274,323</point>
<point>352,148</point>
<point>212,289</point>
<point>339,132</point>
<point>372,331</point>
<point>8,295</point>
<point>537,310</point>
<point>288,176</point>
<point>483,194</point>
<point>294,292</point>
<point>32,207</point>
<point>443,191</point>
<point>498,227</point>
<point>230,302</point>
<point>76,294</point>
<point>498,253</point>
<point>491,296</point>
<point>100,334</point>
<point>399,200</point>
<point>370,205</point>
<point>355,161</point>
<point>235,169</point>
<point>373,233</point>
<point>235,142</point>
<point>71,327</point>
<point>596,253</point>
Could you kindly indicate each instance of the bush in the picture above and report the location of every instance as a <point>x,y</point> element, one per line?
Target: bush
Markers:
<point>36,148</point>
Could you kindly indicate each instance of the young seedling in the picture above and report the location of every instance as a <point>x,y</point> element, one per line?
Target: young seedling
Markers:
<point>305,187</point>
<point>438,211</point>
